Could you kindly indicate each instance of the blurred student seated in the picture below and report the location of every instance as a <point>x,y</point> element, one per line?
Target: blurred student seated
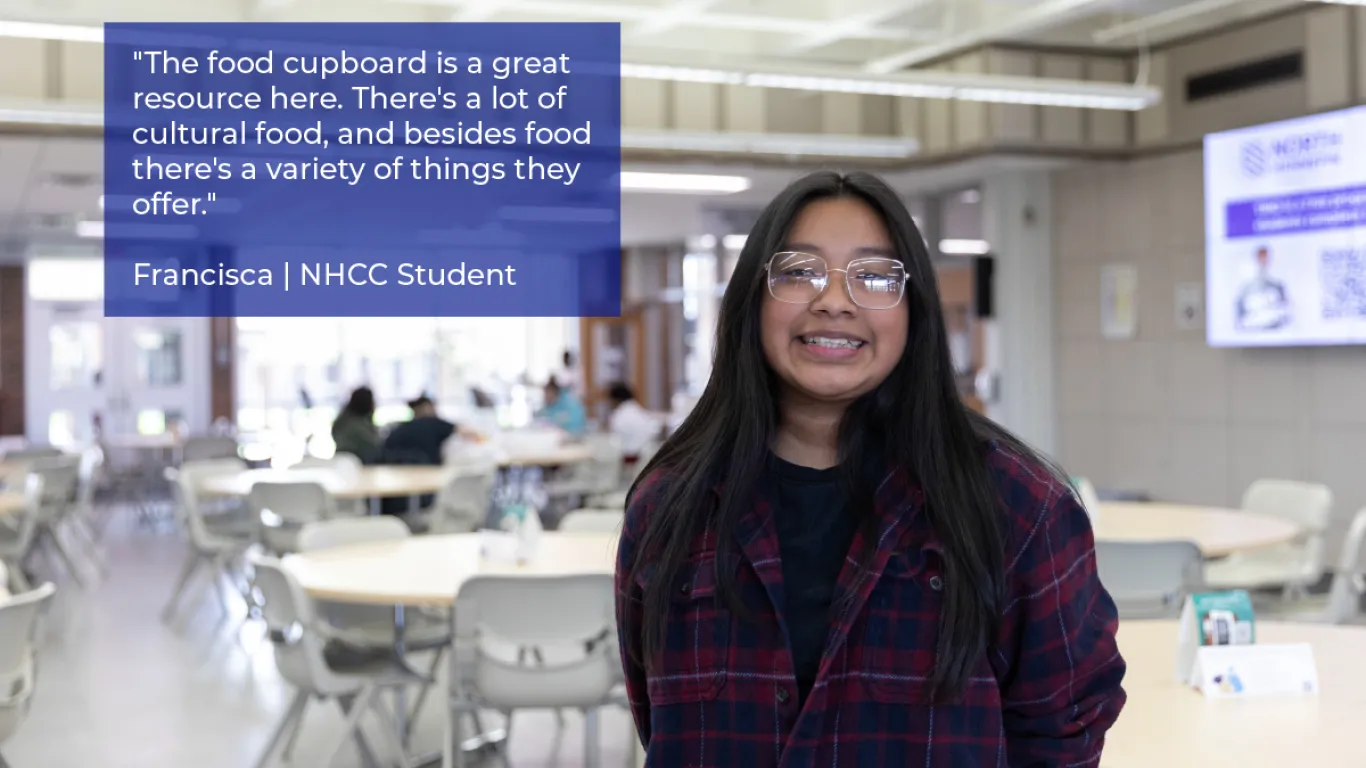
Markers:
<point>419,440</point>
<point>354,430</point>
<point>634,426</point>
<point>563,409</point>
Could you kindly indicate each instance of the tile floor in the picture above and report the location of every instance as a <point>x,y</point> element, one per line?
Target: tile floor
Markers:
<point>117,688</point>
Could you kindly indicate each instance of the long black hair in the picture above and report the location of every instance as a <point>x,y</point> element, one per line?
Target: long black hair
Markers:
<point>914,420</point>
<point>361,403</point>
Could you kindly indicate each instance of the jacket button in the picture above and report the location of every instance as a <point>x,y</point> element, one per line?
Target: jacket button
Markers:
<point>781,695</point>
<point>936,583</point>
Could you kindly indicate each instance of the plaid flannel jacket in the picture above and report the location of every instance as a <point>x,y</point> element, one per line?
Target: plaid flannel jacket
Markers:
<point>723,693</point>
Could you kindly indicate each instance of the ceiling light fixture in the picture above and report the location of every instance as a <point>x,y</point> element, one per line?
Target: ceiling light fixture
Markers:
<point>91,230</point>
<point>1002,89</point>
<point>683,183</point>
<point>734,242</point>
<point>953,247</point>
<point>31,30</point>
<point>808,145</point>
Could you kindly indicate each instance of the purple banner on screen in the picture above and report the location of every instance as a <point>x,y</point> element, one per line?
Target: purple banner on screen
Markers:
<point>1303,212</point>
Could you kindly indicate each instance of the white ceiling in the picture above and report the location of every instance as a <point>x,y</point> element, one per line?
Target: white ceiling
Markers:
<point>866,33</point>
<point>46,184</point>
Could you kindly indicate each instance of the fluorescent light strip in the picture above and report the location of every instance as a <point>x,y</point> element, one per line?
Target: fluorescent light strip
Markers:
<point>920,85</point>
<point>817,145</point>
<point>687,183</point>
<point>953,247</point>
<point>30,30</point>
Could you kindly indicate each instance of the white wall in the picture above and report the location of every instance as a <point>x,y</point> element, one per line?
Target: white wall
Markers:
<point>1164,412</point>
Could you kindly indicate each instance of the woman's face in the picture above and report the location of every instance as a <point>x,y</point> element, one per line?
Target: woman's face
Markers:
<point>839,230</point>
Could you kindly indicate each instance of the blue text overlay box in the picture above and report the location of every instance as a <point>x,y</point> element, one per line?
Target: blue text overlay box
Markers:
<point>385,170</point>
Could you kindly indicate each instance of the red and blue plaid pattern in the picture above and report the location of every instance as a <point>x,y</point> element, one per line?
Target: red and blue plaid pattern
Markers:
<point>724,694</point>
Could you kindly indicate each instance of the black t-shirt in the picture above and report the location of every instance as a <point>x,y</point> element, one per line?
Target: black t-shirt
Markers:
<point>815,532</point>
<point>418,441</point>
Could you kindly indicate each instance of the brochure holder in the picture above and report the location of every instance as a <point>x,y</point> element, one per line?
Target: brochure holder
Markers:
<point>1218,654</point>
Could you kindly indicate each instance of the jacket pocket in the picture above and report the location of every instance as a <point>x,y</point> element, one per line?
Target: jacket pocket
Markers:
<point>902,627</point>
<point>693,662</point>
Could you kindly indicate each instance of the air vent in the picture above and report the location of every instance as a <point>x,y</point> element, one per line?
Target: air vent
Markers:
<point>1243,77</point>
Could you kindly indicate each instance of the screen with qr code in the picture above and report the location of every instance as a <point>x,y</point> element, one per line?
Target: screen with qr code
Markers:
<point>1285,233</point>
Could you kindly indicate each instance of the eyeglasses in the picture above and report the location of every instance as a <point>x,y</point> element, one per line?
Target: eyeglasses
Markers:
<point>872,283</point>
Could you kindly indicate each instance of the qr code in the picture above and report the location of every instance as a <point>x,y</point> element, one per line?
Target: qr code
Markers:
<point>1342,274</point>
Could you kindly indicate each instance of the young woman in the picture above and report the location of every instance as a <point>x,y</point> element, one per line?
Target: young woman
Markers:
<point>354,429</point>
<point>833,562</point>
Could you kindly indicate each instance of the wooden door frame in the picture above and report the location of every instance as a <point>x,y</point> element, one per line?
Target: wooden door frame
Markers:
<point>633,319</point>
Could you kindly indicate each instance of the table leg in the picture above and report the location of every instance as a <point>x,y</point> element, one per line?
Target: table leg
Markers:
<point>400,653</point>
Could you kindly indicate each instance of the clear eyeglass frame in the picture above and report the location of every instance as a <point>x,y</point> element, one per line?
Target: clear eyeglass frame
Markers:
<point>820,284</point>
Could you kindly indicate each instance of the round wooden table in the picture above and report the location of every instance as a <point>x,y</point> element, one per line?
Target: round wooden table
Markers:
<point>544,457</point>
<point>367,482</point>
<point>429,570</point>
<point>1218,532</point>
<point>1165,723</point>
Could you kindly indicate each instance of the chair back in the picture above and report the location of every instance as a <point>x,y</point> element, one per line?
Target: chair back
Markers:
<point>281,509</point>
<point>1307,505</point>
<point>61,484</point>
<point>1086,494</point>
<point>342,462</point>
<point>291,502</point>
<point>208,447</point>
<point>1150,579</point>
<point>291,623</point>
<point>536,610</point>
<point>189,506</point>
<point>590,520</point>
<point>20,622</point>
<point>463,504</point>
<point>29,454</point>
<point>604,471</point>
<point>344,531</point>
<point>29,519</point>
<point>1349,582</point>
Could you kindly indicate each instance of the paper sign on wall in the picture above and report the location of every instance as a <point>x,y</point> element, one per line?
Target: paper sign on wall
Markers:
<point>1119,301</point>
<point>1190,306</point>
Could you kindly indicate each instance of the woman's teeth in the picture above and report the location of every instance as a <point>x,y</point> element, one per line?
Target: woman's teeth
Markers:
<point>821,341</point>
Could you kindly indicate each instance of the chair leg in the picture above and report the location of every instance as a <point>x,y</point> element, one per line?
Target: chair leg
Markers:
<point>358,707</point>
<point>422,694</point>
<point>292,719</point>
<point>18,581</point>
<point>367,753</point>
<point>65,556</point>
<point>186,573</point>
<point>592,738</point>
<point>391,731</point>
<point>287,754</point>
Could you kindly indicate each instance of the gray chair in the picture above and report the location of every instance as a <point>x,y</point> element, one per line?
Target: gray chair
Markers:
<point>1150,579</point>
<point>20,619</point>
<point>208,448</point>
<point>299,656</point>
<point>283,509</point>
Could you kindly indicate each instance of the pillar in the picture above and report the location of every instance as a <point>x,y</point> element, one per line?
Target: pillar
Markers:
<point>1019,351</point>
